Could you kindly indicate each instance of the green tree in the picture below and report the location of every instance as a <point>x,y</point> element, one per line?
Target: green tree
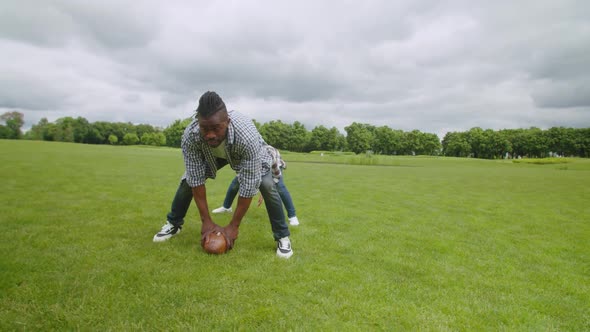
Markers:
<point>561,141</point>
<point>337,141</point>
<point>497,145</point>
<point>5,132</point>
<point>95,137</point>
<point>386,141</point>
<point>147,139</point>
<point>475,139</point>
<point>173,133</point>
<point>159,139</point>
<point>430,144</point>
<point>324,139</point>
<point>38,131</point>
<point>318,140</point>
<point>485,150</point>
<point>582,142</point>
<point>119,129</point>
<point>277,134</point>
<point>536,143</point>
<point>113,139</point>
<point>123,128</point>
<point>299,137</point>
<point>155,139</point>
<point>64,129</point>
<point>104,130</point>
<point>142,129</point>
<point>359,137</point>
<point>130,139</point>
<point>414,142</point>
<point>455,144</point>
<point>52,132</point>
<point>14,121</point>
<point>81,130</point>
<point>518,141</point>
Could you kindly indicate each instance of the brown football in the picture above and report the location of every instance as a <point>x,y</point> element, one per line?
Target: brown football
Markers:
<point>215,243</point>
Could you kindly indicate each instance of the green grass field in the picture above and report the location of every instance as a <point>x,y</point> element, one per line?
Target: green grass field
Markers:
<point>422,243</point>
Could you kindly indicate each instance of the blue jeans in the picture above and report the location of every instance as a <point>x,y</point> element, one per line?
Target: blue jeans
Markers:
<point>182,199</point>
<point>272,201</point>
<point>234,187</point>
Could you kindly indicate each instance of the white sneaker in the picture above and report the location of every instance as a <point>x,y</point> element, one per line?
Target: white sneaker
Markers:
<point>167,231</point>
<point>284,247</point>
<point>293,221</point>
<point>222,210</point>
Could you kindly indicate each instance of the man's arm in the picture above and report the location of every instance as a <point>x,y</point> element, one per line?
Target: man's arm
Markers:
<point>231,230</point>
<point>200,197</point>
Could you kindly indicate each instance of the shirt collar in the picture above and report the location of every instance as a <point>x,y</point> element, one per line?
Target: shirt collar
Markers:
<point>230,130</point>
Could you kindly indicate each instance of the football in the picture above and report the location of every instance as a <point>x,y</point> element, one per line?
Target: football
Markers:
<point>215,243</point>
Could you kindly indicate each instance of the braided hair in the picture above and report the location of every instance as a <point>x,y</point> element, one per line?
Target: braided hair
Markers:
<point>209,104</point>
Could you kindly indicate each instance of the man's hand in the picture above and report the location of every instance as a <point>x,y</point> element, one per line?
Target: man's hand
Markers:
<point>208,227</point>
<point>231,233</point>
<point>231,230</point>
<point>260,200</point>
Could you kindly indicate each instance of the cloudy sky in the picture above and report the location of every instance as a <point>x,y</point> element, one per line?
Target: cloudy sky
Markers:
<point>435,66</point>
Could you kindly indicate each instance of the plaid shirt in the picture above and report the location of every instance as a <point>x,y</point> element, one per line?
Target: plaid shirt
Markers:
<point>246,151</point>
<point>277,165</point>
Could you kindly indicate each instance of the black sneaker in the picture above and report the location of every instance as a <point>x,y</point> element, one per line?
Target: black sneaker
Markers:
<point>167,232</point>
<point>284,247</point>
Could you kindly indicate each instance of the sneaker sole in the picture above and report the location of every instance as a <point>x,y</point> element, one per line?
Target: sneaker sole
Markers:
<point>284,255</point>
<point>165,237</point>
<point>161,238</point>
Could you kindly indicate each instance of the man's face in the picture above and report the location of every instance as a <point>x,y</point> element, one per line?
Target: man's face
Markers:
<point>213,129</point>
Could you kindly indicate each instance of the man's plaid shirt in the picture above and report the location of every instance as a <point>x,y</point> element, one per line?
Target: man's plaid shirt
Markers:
<point>277,164</point>
<point>246,151</point>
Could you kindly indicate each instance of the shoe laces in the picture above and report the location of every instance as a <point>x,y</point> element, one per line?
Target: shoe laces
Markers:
<point>167,227</point>
<point>284,243</point>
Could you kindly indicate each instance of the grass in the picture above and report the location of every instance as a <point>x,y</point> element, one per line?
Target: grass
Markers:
<point>543,161</point>
<point>422,243</point>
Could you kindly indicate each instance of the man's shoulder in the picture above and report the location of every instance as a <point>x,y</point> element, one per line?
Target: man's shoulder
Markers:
<point>243,128</point>
<point>194,123</point>
<point>192,127</point>
<point>236,116</point>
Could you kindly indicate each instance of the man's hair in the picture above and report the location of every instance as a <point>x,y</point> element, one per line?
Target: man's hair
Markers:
<point>209,104</point>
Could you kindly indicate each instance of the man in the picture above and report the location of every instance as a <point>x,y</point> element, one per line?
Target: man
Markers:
<point>217,138</point>
<point>278,162</point>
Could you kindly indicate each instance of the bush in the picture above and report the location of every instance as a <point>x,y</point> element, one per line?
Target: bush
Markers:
<point>113,139</point>
<point>542,161</point>
<point>130,139</point>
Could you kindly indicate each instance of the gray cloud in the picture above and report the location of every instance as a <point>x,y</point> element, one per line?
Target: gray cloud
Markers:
<point>409,65</point>
<point>55,23</point>
<point>562,94</point>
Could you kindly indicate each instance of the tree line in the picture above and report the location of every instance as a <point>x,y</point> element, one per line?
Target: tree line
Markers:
<point>515,143</point>
<point>359,138</point>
